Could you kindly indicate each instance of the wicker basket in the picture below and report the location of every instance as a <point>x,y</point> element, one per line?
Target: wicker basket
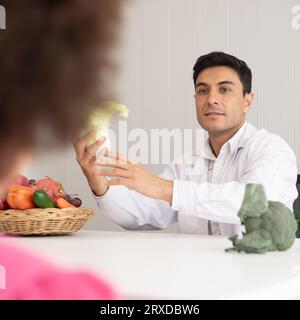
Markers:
<point>43,221</point>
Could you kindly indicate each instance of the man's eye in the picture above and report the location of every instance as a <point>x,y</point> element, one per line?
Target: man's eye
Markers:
<point>202,91</point>
<point>225,90</point>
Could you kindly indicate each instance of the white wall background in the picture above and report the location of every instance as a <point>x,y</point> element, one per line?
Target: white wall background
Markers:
<point>163,39</point>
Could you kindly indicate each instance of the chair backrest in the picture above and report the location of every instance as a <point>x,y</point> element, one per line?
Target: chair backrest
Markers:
<point>296,205</point>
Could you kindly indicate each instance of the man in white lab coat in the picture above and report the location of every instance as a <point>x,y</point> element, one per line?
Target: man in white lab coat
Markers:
<point>204,194</point>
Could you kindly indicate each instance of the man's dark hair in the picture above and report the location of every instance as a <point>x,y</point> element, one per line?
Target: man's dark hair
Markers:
<point>55,56</point>
<point>218,59</point>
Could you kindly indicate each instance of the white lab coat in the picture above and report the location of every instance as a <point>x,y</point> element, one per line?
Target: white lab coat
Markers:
<point>251,155</point>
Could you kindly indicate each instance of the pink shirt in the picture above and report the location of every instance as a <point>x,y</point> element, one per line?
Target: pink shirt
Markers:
<point>23,275</point>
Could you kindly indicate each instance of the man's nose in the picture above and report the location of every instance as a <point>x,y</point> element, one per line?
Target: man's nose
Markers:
<point>213,98</point>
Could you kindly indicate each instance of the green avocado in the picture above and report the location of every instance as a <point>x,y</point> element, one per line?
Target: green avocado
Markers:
<point>42,200</point>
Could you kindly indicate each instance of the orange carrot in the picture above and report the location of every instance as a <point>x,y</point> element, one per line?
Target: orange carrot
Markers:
<point>62,203</point>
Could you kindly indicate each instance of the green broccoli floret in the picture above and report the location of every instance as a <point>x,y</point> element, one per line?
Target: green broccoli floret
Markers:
<point>101,119</point>
<point>269,225</point>
<point>297,217</point>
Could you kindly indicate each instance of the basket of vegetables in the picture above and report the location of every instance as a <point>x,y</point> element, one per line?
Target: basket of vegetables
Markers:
<point>41,208</point>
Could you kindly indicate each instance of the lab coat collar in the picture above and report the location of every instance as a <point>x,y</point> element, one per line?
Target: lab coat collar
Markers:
<point>231,146</point>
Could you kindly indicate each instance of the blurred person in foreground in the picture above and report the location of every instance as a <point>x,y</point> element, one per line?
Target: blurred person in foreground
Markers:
<point>54,58</point>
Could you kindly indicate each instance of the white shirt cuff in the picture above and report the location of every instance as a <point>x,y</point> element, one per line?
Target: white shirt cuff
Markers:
<point>100,197</point>
<point>184,195</point>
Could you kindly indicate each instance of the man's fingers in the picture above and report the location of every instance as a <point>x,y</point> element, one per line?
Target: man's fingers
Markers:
<point>103,152</point>
<point>106,162</point>
<point>90,152</point>
<point>118,156</point>
<point>80,144</point>
<point>116,172</point>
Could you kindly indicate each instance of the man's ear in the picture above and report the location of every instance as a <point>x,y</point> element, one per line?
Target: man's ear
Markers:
<point>248,101</point>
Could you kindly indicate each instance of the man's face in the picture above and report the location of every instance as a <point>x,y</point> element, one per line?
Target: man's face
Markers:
<point>220,102</point>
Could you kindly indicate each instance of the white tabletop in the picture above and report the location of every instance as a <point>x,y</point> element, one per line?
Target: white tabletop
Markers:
<point>175,266</point>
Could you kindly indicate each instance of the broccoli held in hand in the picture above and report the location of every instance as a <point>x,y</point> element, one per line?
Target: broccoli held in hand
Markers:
<point>100,121</point>
<point>269,225</point>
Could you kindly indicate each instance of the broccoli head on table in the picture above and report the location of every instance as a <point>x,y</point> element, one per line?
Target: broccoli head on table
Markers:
<point>269,225</point>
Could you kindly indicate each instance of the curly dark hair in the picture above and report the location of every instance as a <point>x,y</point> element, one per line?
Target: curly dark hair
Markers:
<point>55,55</point>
